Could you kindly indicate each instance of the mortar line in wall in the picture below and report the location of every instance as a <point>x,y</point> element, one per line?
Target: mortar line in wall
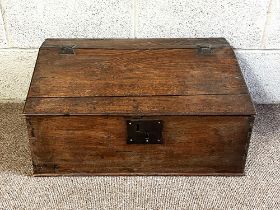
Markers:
<point>2,16</point>
<point>4,19</point>
<point>267,22</point>
<point>244,49</point>
<point>274,49</point>
<point>16,48</point>
<point>135,18</point>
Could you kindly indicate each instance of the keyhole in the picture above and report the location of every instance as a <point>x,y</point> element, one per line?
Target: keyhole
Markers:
<point>137,128</point>
<point>147,138</point>
<point>147,135</point>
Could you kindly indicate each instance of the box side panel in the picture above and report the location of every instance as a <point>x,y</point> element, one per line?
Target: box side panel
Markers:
<point>97,145</point>
<point>32,128</point>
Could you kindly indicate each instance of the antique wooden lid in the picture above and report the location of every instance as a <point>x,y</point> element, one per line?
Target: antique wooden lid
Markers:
<point>137,77</point>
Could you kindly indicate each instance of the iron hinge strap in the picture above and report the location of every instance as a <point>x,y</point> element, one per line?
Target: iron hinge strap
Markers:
<point>205,50</point>
<point>68,50</point>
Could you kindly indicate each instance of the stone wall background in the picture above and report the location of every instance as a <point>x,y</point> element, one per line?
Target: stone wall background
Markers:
<point>252,27</point>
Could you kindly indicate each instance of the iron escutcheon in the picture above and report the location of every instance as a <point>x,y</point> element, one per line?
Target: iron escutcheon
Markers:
<point>144,131</point>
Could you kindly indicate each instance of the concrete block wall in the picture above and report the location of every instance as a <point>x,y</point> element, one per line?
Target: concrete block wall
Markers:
<point>252,27</point>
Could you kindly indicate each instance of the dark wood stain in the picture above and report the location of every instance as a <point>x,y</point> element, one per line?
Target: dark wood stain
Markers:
<point>97,72</point>
<point>155,105</point>
<point>177,43</point>
<point>94,144</point>
<point>78,104</point>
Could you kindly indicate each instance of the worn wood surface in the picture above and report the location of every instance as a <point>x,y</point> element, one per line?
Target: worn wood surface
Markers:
<point>68,145</point>
<point>78,104</point>
<point>137,68</point>
<point>175,43</point>
<point>153,105</point>
<point>96,72</point>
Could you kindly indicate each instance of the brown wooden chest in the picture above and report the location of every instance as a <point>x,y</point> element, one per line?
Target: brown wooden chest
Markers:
<point>138,107</point>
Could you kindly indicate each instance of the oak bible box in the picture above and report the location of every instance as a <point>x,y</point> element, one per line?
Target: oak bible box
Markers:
<point>138,107</point>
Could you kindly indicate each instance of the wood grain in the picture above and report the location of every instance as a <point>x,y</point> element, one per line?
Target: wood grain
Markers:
<point>137,43</point>
<point>78,104</point>
<point>94,72</point>
<point>97,145</point>
<point>139,106</point>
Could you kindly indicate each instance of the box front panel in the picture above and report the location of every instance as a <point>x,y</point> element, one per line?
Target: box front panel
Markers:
<point>98,145</point>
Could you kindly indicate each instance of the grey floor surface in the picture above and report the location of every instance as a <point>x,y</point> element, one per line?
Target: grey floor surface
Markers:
<point>259,189</point>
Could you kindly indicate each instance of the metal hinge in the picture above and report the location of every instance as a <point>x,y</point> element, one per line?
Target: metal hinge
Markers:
<point>205,50</point>
<point>67,50</point>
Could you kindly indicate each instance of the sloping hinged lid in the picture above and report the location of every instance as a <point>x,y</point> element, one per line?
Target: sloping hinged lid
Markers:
<point>137,77</point>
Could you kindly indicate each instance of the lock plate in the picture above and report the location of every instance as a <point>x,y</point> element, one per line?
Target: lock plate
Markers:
<point>144,131</point>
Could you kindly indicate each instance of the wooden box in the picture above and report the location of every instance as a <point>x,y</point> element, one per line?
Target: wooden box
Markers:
<point>138,107</point>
